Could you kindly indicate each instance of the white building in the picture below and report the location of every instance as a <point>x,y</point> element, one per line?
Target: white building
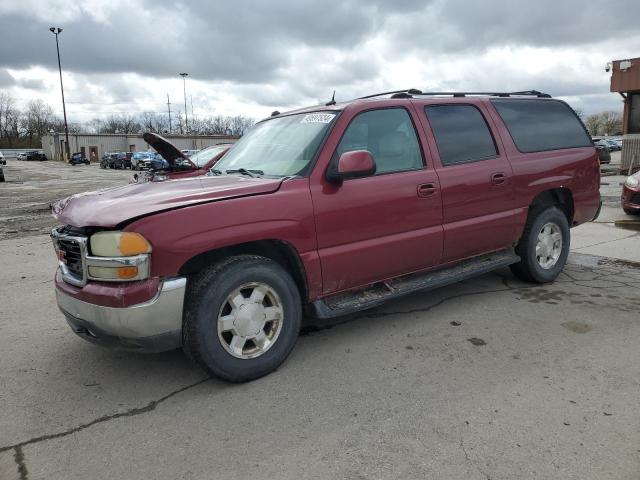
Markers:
<point>53,145</point>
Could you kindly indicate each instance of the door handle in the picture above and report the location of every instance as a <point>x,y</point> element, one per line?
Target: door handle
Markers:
<point>498,178</point>
<point>427,189</point>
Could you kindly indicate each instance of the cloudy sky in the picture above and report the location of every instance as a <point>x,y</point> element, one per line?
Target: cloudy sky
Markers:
<point>251,57</point>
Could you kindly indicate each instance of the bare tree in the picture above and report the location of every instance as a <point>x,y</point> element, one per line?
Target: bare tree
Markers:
<point>37,119</point>
<point>594,124</point>
<point>611,122</point>
<point>9,119</point>
<point>239,124</point>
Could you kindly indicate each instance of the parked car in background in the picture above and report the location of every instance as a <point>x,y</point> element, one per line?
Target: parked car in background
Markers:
<point>631,195</point>
<point>613,145</point>
<point>154,162</point>
<point>120,160</point>
<point>604,152</point>
<point>138,158</point>
<point>2,158</point>
<point>35,155</point>
<point>178,165</point>
<point>78,158</point>
<point>325,211</point>
<point>108,160</point>
<point>21,156</point>
<point>2,162</point>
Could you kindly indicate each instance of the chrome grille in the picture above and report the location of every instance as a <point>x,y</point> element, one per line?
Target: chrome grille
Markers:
<point>71,247</point>
<point>71,256</point>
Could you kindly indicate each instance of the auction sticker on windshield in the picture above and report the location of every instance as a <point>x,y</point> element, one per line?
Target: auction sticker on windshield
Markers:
<point>318,118</point>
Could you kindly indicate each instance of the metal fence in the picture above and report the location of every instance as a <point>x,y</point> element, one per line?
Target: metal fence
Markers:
<point>630,151</point>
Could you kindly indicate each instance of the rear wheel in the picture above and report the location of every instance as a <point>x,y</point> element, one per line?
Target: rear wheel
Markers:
<point>544,246</point>
<point>242,318</point>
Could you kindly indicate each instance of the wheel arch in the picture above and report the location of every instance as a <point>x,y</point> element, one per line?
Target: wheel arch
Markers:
<point>560,197</point>
<point>279,251</point>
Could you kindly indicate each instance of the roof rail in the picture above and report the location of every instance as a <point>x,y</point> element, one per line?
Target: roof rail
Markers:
<point>410,92</point>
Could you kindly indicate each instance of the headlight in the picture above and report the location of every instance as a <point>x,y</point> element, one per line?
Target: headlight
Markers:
<point>632,182</point>
<point>118,244</point>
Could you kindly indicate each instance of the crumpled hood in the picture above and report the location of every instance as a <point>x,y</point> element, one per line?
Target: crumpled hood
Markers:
<point>112,206</point>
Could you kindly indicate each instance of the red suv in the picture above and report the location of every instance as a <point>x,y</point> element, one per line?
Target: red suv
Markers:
<point>326,210</point>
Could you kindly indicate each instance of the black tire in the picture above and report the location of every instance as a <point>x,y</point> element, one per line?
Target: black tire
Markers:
<point>529,268</point>
<point>629,211</point>
<point>207,294</point>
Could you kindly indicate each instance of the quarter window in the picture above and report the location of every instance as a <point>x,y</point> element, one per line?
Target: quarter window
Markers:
<point>461,133</point>
<point>539,125</point>
<point>390,137</point>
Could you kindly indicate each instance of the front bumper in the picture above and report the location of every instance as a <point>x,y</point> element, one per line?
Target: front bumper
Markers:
<point>630,199</point>
<point>149,327</point>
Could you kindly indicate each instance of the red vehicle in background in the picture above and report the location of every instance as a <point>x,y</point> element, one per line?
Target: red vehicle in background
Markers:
<point>631,195</point>
<point>180,165</point>
<point>325,211</point>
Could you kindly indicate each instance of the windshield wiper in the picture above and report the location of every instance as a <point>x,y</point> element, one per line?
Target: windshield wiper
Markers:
<point>250,173</point>
<point>215,171</point>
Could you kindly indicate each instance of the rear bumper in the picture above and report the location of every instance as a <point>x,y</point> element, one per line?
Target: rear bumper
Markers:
<point>151,326</point>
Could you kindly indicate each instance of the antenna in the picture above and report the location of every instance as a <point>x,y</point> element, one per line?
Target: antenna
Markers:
<point>333,99</point>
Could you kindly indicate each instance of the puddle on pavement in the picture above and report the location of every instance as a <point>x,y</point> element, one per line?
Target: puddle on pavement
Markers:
<point>577,327</point>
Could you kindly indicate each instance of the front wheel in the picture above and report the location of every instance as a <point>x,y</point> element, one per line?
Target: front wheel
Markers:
<point>629,211</point>
<point>543,247</point>
<point>242,318</point>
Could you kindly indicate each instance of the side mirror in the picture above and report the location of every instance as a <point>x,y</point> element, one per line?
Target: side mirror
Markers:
<point>354,164</point>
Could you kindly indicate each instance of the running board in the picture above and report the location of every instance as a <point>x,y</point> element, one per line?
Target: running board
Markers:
<point>379,293</point>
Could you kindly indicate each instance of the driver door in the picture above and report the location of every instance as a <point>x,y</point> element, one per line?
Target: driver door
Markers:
<point>381,226</point>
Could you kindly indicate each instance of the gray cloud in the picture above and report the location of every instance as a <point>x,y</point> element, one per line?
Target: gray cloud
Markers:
<point>279,53</point>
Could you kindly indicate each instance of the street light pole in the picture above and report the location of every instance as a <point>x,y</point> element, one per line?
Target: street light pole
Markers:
<point>56,32</point>
<point>184,87</point>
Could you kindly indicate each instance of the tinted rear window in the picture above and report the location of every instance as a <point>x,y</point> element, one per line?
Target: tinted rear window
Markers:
<point>539,125</point>
<point>461,133</point>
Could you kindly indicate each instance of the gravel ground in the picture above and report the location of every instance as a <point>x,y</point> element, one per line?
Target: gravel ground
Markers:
<point>31,187</point>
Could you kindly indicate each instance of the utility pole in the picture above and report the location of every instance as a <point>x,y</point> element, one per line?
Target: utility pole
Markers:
<point>184,87</point>
<point>193,115</point>
<point>169,108</point>
<point>56,31</point>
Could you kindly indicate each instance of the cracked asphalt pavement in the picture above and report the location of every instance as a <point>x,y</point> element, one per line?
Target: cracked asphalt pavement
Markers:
<point>490,378</point>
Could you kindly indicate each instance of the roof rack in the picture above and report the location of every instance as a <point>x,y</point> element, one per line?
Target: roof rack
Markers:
<point>411,92</point>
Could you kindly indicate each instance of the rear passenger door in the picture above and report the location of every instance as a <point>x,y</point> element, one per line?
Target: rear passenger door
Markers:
<point>476,181</point>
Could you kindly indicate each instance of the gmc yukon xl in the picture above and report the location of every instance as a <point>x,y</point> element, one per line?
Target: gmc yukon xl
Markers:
<point>326,211</point>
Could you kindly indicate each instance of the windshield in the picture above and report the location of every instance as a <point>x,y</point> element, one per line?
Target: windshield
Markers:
<point>201,158</point>
<point>279,146</point>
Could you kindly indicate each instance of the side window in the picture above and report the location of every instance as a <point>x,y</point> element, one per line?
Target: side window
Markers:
<point>539,125</point>
<point>461,133</point>
<point>390,137</point>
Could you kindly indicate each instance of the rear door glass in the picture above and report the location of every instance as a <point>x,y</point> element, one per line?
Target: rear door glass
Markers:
<point>461,132</point>
<point>540,125</point>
